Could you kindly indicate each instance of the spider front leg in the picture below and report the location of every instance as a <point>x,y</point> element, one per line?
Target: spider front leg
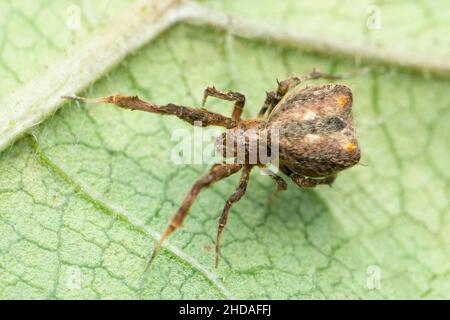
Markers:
<point>271,101</point>
<point>238,98</point>
<point>192,115</point>
<point>272,98</point>
<point>216,173</point>
<point>285,85</point>
<point>235,197</point>
<point>306,182</point>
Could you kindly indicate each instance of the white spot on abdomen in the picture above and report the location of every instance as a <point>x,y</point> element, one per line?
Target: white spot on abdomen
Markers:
<point>309,115</point>
<point>310,138</point>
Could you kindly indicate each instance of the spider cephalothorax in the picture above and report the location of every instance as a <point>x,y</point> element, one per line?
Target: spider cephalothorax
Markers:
<point>315,138</point>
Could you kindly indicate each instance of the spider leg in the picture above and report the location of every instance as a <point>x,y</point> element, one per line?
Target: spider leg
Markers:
<point>285,85</point>
<point>238,98</point>
<point>216,173</point>
<point>281,184</point>
<point>273,98</point>
<point>197,116</point>
<point>235,197</point>
<point>306,182</point>
<point>271,101</point>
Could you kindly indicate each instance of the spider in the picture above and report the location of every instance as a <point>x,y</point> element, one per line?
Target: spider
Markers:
<point>316,138</point>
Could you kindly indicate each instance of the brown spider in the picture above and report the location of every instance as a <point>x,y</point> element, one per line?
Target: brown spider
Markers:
<point>316,138</point>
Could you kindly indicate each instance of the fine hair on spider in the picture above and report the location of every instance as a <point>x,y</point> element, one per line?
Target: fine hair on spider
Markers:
<point>315,138</point>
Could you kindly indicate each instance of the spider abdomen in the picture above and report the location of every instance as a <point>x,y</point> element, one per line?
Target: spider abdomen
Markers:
<point>316,130</point>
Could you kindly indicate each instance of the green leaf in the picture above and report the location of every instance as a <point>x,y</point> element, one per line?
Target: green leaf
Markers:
<point>83,199</point>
